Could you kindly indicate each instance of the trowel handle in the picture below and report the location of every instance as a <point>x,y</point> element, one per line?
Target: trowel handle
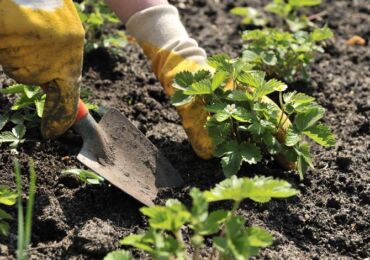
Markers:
<point>82,111</point>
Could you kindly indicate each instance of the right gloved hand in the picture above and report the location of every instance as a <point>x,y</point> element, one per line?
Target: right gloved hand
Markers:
<point>165,41</point>
<point>41,43</point>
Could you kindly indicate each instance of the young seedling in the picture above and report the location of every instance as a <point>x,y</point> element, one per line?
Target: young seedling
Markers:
<point>231,238</point>
<point>26,112</point>
<point>243,124</point>
<point>87,177</point>
<point>250,15</point>
<point>289,12</point>
<point>24,220</point>
<point>282,54</point>
<point>8,198</point>
<point>94,14</point>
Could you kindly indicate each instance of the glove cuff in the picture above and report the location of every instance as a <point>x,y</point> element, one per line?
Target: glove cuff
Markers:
<point>160,26</point>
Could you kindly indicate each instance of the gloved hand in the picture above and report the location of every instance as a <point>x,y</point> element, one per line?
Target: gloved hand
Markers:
<point>41,43</point>
<point>165,41</point>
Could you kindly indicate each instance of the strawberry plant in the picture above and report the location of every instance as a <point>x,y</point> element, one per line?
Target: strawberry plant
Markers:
<point>288,10</point>
<point>243,124</point>
<point>8,198</point>
<point>282,54</point>
<point>230,237</point>
<point>250,15</point>
<point>94,14</point>
<point>26,112</point>
<point>87,177</point>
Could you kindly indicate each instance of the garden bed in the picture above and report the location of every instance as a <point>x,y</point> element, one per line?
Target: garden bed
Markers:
<point>330,219</point>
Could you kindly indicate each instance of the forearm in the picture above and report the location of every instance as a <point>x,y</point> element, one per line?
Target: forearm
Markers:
<point>126,8</point>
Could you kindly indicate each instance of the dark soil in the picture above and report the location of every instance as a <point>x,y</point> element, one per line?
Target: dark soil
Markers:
<point>330,219</point>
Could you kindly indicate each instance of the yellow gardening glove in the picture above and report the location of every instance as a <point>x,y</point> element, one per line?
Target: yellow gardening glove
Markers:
<point>165,41</point>
<point>41,43</point>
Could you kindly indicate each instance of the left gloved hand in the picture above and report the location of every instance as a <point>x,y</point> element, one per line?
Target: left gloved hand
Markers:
<point>41,43</point>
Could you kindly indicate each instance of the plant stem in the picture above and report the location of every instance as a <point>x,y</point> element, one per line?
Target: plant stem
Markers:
<point>20,241</point>
<point>30,203</point>
<point>214,254</point>
<point>282,109</point>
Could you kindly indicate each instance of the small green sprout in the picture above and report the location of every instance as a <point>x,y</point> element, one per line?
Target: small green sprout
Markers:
<point>250,16</point>
<point>86,176</point>
<point>26,112</point>
<point>231,238</point>
<point>94,14</point>
<point>289,12</point>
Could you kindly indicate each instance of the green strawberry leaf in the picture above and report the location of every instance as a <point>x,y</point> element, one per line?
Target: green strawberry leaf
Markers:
<point>260,189</point>
<point>321,134</point>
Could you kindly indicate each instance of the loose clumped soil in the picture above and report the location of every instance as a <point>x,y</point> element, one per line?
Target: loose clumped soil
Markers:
<point>330,219</point>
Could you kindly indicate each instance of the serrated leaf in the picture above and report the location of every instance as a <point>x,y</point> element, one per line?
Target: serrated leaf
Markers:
<point>292,137</point>
<point>215,108</point>
<point>5,215</point>
<point>242,115</point>
<point>254,79</point>
<point>213,223</point>
<point>220,62</point>
<point>202,75</point>
<point>250,56</point>
<point>4,228</point>
<point>17,118</point>
<point>308,119</point>
<point>218,132</point>
<point>269,58</point>
<point>7,197</point>
<point>233,154</point>
<point>320,34</point>
<point>239,242</point>
<point>171,217</point>
<point>256,128</point>
<point>4,118</point>
<point>304,150</point>
<point>260,189</point>
<point>30,91</point>
<point>180,99</point>
<point>258,237</point>
<point>199,88</point>
<point>19,131</point>
<point>184,79</point>
<point>321,134</point>
<point>13,89</point>
<point>218,79</point>
<point>231,164</point>
<point>39,107</point>
<point>302,167</point>
<point>141,241</point>
<point>297,98</point>
<point>118,255</point>
<point>199,209</point>
<point>239,95</point>
<point>8,137</point>
<point>222,116</point>
<point>272,144</point>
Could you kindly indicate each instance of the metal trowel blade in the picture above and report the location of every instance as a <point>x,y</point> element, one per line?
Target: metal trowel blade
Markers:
<point>137,168</point>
